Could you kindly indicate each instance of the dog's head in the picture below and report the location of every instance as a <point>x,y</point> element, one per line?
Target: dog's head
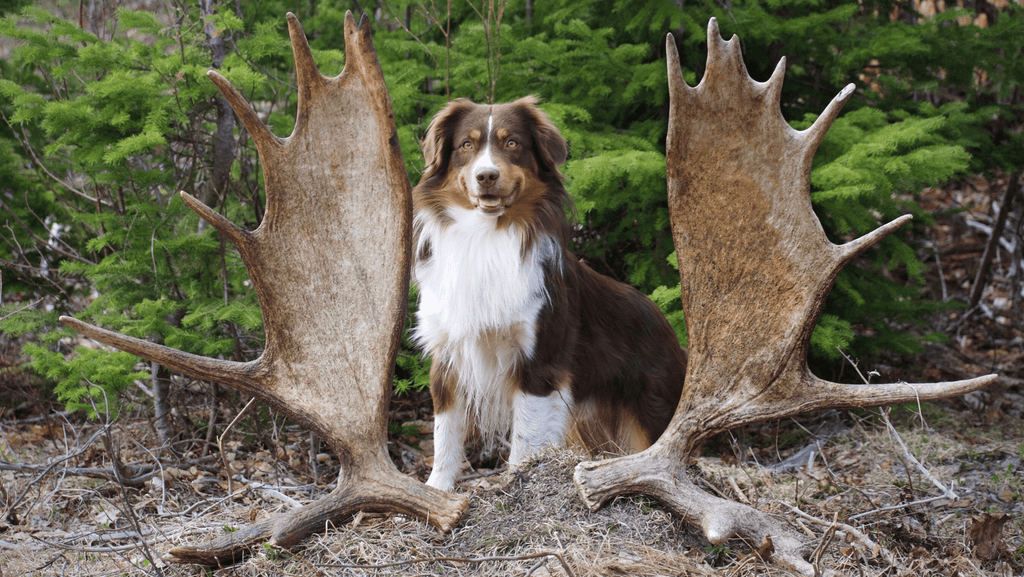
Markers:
<point>493,157</point>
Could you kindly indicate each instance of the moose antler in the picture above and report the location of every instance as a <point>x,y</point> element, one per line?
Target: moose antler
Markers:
<point>755,267</point>
<point>330,265</point>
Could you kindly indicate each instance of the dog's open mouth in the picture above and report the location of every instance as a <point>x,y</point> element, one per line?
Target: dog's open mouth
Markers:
<point>493,203</point>
<point>490,203</point>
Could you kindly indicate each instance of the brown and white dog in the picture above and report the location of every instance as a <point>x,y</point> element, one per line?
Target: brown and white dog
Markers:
<point>524,337</point>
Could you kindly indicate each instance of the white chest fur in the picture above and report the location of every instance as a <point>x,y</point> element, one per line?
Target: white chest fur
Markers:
<point>479,302</point>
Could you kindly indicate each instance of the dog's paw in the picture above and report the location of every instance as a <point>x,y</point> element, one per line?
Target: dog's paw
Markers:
<point>441,482</point>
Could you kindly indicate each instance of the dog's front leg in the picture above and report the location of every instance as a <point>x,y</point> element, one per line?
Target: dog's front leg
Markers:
<point>449,447</point>
<point>538,422</point>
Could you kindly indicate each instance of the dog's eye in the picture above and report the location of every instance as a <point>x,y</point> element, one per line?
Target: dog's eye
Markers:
<point>512,144</point>
<point>467,145</point>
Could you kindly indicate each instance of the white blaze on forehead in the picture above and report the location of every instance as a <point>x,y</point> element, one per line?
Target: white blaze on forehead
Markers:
<point>485,161</point>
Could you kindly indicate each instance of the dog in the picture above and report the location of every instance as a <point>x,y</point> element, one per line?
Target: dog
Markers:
<point>525,338</point>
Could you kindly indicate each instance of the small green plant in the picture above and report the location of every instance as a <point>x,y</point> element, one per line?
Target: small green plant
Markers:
<point>647,504</point>
<point>273,553</point>
<point>717,554</point>
<point>408,433</point>
<point>502,507</point>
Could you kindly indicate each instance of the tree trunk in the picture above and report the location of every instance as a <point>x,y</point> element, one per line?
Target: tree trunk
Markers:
<point>1005,208</point>
<point>160,381</point>
<point>224,140</point>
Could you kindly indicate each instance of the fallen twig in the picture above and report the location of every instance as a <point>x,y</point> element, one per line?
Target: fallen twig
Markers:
<point>805,456</point>
<point>220,443</point>
<point>118,467</point>
<point>895,507</point>
<point>141,544</point>
<point>45,470</point>
<point>875,548</point>
<point>141,474</point>
<point>736,489</point>
<point>479,475</point>
<point>9,545</point>
<point>38,418</point>
<point>946,492</point>
<point>216,502</point>
<point>272,492</point>
<point>826,539</point>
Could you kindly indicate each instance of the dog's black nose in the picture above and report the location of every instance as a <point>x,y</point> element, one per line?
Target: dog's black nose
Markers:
<point>487,176</point>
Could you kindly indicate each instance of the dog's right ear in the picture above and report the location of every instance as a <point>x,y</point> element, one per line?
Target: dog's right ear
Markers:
<point>437,145</point>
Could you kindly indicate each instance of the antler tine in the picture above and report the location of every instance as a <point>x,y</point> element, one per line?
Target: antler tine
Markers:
<point>238,375</point>
<point>237,235</point>
<point>773,86</point>
<point>722,54</point>
<point>715,44</point>
<point>847,251</point>
<point>812,136</point>
<point>357,40</point>
<point>846,396</point>
<point>807,392</point>
<point>307,74</point>
<point>727,74</point>
<point>264,140</point>
<point>362,57</point>
<point>677,87</point>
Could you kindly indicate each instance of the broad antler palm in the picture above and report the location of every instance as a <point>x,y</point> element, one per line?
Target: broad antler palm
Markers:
<point>755,267</point>
<point>330,265</point>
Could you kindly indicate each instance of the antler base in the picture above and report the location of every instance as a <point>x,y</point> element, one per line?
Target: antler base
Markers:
<point>386,494</point>
<point>659,473</point>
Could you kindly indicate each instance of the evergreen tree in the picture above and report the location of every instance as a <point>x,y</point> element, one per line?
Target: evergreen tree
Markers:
<point>103,127</point>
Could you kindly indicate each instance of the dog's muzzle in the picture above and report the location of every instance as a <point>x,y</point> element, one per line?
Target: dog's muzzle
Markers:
<point>488,194</point>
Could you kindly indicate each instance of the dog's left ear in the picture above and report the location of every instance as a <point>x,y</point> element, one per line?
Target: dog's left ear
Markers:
<point>550,146</point>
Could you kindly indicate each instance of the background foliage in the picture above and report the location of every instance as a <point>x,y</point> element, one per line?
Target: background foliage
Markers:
<point>106,117</point>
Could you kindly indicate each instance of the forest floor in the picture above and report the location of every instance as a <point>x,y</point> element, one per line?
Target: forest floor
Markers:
<point>860,496</point>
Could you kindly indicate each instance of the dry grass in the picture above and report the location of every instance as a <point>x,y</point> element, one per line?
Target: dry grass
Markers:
<point>532,522</point>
